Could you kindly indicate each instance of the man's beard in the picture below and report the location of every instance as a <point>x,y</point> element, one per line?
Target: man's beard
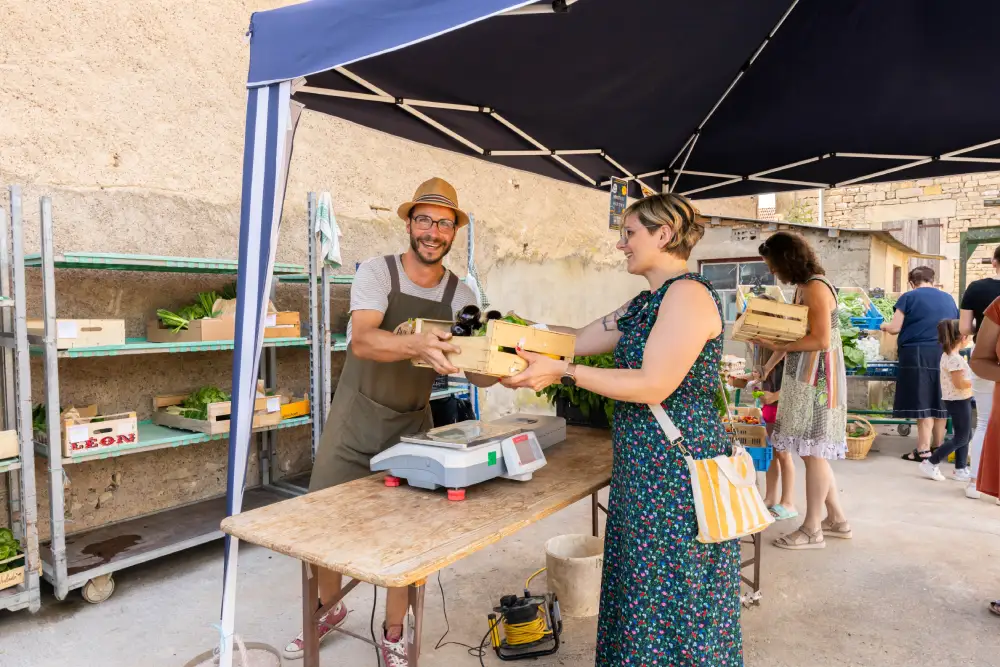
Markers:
<point>418,250</point>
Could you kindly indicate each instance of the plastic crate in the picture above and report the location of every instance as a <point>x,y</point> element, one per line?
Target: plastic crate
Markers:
<point>872,321</point>
<point>761,457</point>
<point>882,369</point>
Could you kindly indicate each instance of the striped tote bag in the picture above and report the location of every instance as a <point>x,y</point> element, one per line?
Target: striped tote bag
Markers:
<point>726,499</point>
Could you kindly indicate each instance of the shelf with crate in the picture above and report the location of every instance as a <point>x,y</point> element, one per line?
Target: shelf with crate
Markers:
<point>148,436</point>
<point>19,584</point>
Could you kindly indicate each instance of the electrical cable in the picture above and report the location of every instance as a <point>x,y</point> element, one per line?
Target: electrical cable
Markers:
<point>535,574</point>
<point>474,651</point>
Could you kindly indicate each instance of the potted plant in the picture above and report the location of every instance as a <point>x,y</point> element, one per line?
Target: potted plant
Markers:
<point>578,406</point>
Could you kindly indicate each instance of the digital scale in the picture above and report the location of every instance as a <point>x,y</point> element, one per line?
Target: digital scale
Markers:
<point>460,455</point>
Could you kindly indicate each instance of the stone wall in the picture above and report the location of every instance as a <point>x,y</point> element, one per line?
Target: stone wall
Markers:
<point>958,201</point>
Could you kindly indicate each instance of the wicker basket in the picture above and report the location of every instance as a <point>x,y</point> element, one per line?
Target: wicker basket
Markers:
<point>858,448</point>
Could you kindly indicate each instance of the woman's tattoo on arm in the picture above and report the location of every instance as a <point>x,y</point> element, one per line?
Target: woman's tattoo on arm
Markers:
<point>610,321</point>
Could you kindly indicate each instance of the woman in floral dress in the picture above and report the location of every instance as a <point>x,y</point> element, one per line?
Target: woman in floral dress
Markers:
<point>812,412</point>
<point>666,598</point>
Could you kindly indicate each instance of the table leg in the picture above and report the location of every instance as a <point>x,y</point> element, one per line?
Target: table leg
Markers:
<point>757,539</point>
<point>310,603</point>
<point>416,595</point>
<point>595,515</point>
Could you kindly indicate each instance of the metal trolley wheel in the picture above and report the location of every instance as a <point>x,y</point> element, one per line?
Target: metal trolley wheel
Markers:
<point>98,589</point>
<point>903,429</point>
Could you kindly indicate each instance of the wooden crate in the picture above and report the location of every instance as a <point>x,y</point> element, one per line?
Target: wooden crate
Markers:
<point>298,407</point>
<point>769,320</point>
<point>14,576</point>
<point>283,325</point>
<point>82,333</point>
<point>87,434</point>
<point>745,292</point>
<point>9,447</point>
<point>218,414</point>
<point>749,435</point>
<point>493,354</point>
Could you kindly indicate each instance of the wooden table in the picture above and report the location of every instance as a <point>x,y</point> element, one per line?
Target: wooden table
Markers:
<point>396,537</point>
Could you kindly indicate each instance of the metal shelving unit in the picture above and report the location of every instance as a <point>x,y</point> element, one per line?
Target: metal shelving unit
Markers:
<point>16,391</point>
<point>89,558</point>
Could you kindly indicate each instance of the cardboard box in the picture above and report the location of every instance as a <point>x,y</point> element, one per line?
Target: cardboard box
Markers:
<point>283,325</point>
<point>198,331</point>
<point>82,333</point>
<point>267,412</point>
<point>493,354</point>
<point>9,447</point>
<point>295,408</point>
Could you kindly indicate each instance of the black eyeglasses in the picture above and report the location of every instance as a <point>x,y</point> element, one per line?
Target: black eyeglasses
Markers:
<point>424,222</point>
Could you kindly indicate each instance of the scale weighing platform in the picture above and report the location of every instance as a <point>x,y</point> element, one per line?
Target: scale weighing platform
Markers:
<point>460,455</point>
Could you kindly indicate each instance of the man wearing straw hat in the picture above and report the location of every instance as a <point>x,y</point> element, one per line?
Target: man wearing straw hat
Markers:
<point>381,395</point>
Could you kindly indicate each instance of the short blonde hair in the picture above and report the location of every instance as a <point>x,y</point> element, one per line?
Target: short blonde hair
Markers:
<point>675,212</point>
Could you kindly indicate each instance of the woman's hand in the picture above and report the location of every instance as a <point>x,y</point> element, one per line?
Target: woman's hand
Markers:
<point>541,372</point>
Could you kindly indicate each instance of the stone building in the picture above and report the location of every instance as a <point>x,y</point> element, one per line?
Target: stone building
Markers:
<point>942,207</point>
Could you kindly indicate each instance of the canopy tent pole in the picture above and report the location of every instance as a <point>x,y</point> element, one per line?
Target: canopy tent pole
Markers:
<point>265,163</point>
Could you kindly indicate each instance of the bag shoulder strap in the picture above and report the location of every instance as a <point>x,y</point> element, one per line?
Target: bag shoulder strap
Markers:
<point>674,436</point>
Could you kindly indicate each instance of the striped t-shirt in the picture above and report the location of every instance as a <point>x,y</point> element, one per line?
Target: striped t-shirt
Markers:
<point>372,285</point>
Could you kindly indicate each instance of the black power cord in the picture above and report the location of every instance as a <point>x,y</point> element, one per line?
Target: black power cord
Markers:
<point>371,626</point>
<point>474,651</point>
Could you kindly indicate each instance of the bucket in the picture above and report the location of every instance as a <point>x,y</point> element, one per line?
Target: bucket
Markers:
<point>573,572</point>
<point>249,654</point>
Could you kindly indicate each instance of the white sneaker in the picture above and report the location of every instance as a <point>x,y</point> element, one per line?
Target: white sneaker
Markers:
<point>961,475</point>
<point>931,471</point>
<point>970,491</point>
<point>392,653</point>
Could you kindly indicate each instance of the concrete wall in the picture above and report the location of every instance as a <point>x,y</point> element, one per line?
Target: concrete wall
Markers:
<point>131,117</point>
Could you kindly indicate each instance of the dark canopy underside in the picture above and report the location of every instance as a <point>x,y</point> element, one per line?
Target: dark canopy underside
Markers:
<point>635,78</point>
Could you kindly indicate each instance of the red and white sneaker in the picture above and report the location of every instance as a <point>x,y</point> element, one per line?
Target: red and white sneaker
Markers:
<point>333,619</point>
<point>392,653</point>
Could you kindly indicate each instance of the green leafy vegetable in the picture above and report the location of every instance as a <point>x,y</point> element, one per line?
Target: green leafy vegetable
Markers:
<point>173,321</point>
<point>195,405</point>
<point>586,401</point>
<point>229,291</point>
<point>9,547</point>
<point>513,319</point>
<point>207,302</point>
<point>853,303</point>
<point>886,306</point>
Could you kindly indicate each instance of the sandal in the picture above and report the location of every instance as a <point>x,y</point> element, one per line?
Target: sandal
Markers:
<point>917,455</point>
<point>782,513</point>
<point>841,529</point>
<point>800,539</point>
<point>995,607</point>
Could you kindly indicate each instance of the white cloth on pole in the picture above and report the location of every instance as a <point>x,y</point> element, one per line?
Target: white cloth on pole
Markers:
<point>329,232</point>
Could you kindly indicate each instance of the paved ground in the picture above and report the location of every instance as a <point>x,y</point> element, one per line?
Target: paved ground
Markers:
<point>910,589</point>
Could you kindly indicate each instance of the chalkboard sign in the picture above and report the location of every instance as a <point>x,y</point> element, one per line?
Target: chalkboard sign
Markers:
<point>619,199</point>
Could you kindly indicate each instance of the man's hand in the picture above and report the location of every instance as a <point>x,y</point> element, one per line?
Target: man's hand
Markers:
<point>430,347</point>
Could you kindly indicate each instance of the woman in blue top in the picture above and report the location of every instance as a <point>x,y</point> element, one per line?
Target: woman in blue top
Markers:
<point>918,384</point>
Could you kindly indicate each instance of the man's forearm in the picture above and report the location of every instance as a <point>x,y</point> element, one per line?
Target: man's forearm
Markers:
<point>382,346</point>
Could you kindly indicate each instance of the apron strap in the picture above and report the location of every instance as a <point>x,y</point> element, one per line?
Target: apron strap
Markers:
<point>390,261</point>
<point>449,289</point>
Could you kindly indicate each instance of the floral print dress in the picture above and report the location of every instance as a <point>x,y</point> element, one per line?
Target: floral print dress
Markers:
<point>666,599</point>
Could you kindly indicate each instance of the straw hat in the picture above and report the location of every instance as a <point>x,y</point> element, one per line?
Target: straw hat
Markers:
<point>438,192</point>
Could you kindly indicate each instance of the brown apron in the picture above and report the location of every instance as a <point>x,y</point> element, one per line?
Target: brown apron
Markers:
<point>375,403</point>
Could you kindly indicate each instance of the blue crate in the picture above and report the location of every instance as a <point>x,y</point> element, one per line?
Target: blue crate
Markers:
<point>870,322</point>
<point>882,369</point>
<point>761,457</point>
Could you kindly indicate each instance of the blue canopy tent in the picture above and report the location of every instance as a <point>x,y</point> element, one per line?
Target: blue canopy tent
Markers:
<point>717,98</point>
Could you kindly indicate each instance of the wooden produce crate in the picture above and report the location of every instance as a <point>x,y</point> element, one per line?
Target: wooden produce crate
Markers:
<point>745,292</point>
<point>218,415</point>
<point>298,407</point>
<point>772,321</point>
<point>14,576</point>
<point>89,432</point>
<point>82,333</point>
<point>216,328</point>
<point>749,435</point>
<point>9,447</point>
<point>493,354</point>
<point>283,325</point>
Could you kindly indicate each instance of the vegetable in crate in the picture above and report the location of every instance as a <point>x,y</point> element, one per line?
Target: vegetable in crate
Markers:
<point>853,357</point>
<point>9,547</point>
<point>886,306</point>
<point>853,303</point>
<point>195,405</point>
